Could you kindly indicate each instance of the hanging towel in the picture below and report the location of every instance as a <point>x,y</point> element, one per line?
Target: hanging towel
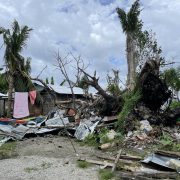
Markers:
<point>32,96</point>
<point>21,105</point>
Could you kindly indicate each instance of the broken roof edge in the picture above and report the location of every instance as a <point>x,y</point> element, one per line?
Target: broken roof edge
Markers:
<point>3,95</point>
<point>62,89</point>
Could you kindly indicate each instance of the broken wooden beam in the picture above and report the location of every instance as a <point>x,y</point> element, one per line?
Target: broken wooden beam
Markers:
<point>109,118</point>
<point>124,157</point>
<point>147,176</point>
<point>116,160</point>
<point>103,163</point>
<point>168,153</point>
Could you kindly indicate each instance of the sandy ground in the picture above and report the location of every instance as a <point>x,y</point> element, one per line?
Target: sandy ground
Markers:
<point>47,158</point>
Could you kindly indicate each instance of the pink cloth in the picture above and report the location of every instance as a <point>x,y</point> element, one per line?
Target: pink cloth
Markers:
<point>21,105</point>
<point>32,96</point>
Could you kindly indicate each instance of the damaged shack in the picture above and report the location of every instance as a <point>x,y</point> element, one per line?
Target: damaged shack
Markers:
<point>58,95</point>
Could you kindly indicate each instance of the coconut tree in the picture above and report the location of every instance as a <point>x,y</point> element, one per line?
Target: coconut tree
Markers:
<point>131,25</point>
<point>14,41</point>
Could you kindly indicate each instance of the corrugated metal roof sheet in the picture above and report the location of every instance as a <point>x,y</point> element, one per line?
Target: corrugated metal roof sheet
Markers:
<point>3,95</point>
<point>66,90</point>
<point>63,89</point>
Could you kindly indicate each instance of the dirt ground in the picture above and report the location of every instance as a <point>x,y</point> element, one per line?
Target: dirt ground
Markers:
<point>48,158</point>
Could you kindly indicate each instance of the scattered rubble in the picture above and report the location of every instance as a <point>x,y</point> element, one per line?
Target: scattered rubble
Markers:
<point>146,124</point>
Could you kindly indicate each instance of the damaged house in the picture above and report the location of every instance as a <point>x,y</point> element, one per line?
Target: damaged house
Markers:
<point>58,95</point>
<point>3,104</point>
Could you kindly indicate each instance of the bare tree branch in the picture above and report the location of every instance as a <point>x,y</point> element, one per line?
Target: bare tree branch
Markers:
<point>41,71</point>
<point>61,63</point>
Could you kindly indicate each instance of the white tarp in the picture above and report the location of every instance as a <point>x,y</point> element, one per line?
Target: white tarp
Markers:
<point>84,129</point>
<point>56,122</point>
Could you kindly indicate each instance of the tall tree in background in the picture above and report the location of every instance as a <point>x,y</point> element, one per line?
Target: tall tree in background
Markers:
<point>52,80</point>
<point>147,48</point>
<point>172,78</point>
<point>3,83</point>
<point>82,84</point>
<point>113,83</point>
<point>17,67</point>
<point>47,81</point>
<point>130,24</point>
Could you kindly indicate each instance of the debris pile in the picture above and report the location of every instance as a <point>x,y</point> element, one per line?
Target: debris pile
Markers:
<point>96,117</point>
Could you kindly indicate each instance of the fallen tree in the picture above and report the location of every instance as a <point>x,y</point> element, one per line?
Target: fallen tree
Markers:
<point>154,94</point>
<point>154,90</point>
<point>107,104</point>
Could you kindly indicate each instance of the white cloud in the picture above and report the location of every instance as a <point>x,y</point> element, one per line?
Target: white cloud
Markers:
<point>89,28</point>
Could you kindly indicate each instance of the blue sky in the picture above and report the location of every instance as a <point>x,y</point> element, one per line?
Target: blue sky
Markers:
<point>89,28</point>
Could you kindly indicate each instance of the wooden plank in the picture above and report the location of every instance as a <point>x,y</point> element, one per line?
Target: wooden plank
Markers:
<point>109,118</point>
<point>126,157</point>
<point>168,153</point>
<point>144,176</point>
<point>116,161</point>
<point>96,162</point>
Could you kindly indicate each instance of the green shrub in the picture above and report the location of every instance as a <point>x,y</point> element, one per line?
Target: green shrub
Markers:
<point>94,139</point>
<point>105,174</point>
<point>130,100</point>
<point>83,164</point>
<point>114,90</point>
<point>91,140</point>
<point>168,144</point>
<point>166,140</point>
<point>174,105</point>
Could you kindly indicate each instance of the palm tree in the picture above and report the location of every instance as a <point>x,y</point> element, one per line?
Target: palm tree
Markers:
<point>17,68</point>
<point>130,24</point>
<point>3,83</point>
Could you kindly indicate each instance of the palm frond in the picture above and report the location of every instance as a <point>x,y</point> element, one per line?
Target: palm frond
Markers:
<point>23,36</point>
<point>135,8</point>
<point>15,27</point>
<point>7,37</point>
<point>122,18</point>
<point>28,65</point>
<point>133,17</point>
<point>2,30</point>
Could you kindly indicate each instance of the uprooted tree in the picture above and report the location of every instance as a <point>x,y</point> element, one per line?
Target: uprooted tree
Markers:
<point>154,93</point>
<point>110,104</point>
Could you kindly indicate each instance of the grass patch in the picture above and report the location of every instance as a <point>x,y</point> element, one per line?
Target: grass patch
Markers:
<point>46,165</point>
<point>8,150</point>
<point>175,104</point>
<point>43,166</point>
<point>83,164</point>
<point>168,144</point>
<point>91,140</point>
<point>94,139</point>
<point>105,174</point>
<point>30,169</point>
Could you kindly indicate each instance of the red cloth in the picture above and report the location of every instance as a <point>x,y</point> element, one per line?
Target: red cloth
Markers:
<point>32,96</point>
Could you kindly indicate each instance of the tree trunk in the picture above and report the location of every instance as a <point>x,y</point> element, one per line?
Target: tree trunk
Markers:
<point>10,91</point>
<point>131,61</point>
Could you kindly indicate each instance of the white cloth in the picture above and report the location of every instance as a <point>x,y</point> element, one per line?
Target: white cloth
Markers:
<point>21,105</point>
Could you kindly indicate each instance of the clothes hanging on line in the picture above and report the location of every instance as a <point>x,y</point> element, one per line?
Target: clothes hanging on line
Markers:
<point>32,96</point>
<point>20,105</point>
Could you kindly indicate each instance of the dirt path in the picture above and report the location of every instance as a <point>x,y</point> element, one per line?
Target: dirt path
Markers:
<point>47,158</point>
